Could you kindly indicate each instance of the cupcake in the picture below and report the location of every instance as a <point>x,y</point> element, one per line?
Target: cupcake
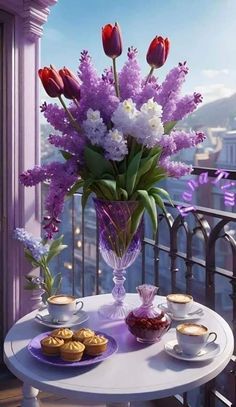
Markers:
<point>51,346</point>
<point>63,333</point>
<point>95,345</point>
<point>72,351</point>
<point>82,334</point>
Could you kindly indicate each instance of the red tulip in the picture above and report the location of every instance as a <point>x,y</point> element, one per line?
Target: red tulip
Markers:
<point>111,40</point>
<point>157,52</point>
<point>71,84</point>
<point>51,80</point>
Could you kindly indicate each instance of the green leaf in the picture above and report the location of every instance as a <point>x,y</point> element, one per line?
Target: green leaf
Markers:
<point>153,176</point>
<point>120,180</point>
<point>110,188</point>
<point>159,202</point>
<point>56,283</point>
<point>136,217</point>
<point>96,163</point>
<point>79,184</point>
<point>149,203</point>
<point>123,193</point>
<point>131,174</point>
<point>161,191</point>
<point>65,154</point>
<point>169,126</point>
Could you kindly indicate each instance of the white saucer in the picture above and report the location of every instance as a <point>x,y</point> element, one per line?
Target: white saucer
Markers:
<point>77,319</point>
<point>209,352</point>
<point>191,316</point>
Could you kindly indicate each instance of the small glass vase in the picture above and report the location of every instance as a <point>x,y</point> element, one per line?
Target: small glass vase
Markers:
<point>147,322</point>
<point>120,234</point>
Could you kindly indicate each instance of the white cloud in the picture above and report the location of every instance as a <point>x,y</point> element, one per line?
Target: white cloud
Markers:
<point>214,92</point>
<point>212,73</point>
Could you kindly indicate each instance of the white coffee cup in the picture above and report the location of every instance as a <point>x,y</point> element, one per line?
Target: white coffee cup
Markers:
<point>62,307</point>
<point>192,337</point>
<point>179,305</point>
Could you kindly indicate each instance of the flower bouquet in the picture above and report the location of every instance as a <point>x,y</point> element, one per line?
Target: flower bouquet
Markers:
<point>117,138</point>
<point>39,253</point>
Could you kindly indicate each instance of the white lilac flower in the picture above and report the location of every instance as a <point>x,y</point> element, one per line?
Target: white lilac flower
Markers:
<point>115,145</point>
<point>124,116</point>
<point>152,108</point>
<point>94,127</point>
<point>148,130</point>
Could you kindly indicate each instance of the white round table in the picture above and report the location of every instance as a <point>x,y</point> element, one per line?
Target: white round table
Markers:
<point>135,372</point>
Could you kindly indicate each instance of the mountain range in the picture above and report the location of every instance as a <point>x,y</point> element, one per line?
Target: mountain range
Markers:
<point>220,113</point>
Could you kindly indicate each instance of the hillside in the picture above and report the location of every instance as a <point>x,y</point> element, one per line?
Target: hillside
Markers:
<point>219,113</point>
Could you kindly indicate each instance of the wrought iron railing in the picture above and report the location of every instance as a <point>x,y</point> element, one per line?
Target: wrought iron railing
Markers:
<point>194,254</point>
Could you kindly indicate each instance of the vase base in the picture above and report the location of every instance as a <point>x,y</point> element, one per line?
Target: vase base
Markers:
<point>114,311</point>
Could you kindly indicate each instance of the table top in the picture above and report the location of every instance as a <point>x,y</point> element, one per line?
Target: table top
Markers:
<point>135,372</point>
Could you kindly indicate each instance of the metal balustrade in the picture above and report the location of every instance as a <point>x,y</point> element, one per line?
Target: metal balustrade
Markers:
<point>185,256</point>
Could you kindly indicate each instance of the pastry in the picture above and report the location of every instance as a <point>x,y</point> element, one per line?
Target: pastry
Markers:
<point>82,334</point>
<point>63,333</point>
<point>51,346</point>
<point>95,345</point>
<point>72,351</point>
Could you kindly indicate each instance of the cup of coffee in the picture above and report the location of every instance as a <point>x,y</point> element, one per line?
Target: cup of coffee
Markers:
<point>192,338</point>
<point>179,304</point>
<point>62,307</point>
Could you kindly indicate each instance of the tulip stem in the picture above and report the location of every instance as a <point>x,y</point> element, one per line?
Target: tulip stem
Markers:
<point>149,75</point>
<point>71,118</point>
<point>116,78</point>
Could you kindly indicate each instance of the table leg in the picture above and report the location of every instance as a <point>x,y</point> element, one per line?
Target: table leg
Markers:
<point>118,404</point>
<point>30,396</point>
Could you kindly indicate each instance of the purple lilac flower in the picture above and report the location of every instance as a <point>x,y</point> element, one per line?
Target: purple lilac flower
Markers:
<point>130,76</point>
<point>168,145</point>
<point>106,99</point>
<point>61,181</point>
<point>170,89</point>
<point>175,169</point>
<point>34,245</point>
<point>149,91</point>
<point>186,105</point>
<point>74,143</point>
<point>57,117</point>
<point>185,139</point>
<point>89,85</point>
<point>115,145</point>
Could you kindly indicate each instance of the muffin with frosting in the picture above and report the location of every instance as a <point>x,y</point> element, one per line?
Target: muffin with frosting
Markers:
<point>95,345</point>
<point>51,346</point>
<point>82,334</point>
<point>63,333</point>
<point>72,351</point>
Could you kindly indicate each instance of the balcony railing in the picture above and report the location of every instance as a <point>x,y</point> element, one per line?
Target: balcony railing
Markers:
<point>194,254</point>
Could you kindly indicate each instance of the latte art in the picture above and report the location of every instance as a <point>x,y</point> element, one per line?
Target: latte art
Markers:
<point>61,299</point>
<point>179,298</point>
<point>192,329</point>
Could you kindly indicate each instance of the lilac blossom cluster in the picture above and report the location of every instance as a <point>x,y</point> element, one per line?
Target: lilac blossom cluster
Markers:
<point>142,111</point>
<point>34,245</point>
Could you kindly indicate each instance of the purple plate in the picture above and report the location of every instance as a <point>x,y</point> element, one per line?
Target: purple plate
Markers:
<point>34,348</point>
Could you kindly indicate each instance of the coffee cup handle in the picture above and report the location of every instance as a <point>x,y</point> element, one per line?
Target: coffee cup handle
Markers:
<point>214,339</point>
<point>163,306</point>
<point>81,305</point>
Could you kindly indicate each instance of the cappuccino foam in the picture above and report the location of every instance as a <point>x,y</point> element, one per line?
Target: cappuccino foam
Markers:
<point>179,298</point>
<point>61,299</point>
<point>192,329</point>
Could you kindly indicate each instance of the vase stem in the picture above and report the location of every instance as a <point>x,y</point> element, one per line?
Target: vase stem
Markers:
<point>118,291</point>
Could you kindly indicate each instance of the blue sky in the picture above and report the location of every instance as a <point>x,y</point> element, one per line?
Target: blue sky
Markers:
<point>203,32</point>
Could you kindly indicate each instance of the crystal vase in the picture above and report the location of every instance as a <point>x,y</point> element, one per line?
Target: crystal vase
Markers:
<point>120,233</point>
